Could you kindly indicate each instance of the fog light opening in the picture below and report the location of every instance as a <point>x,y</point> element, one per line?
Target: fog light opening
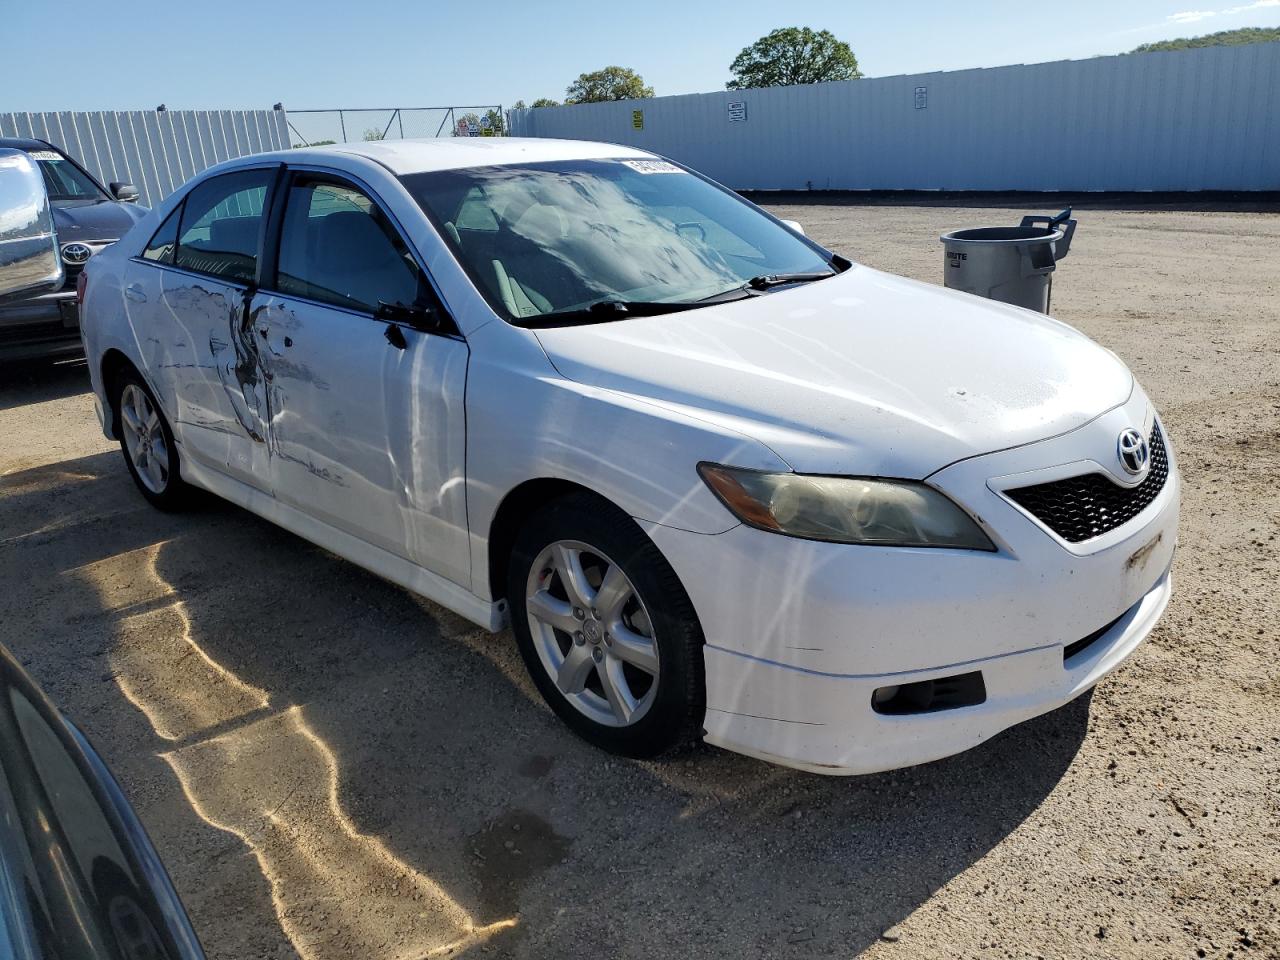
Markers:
<point>930,696</point>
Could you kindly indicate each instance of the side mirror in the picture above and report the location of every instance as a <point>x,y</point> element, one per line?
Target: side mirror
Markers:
<point>124,192</point>
<point>29,258</point>
<point>794,225</point>
<point>421,316</point>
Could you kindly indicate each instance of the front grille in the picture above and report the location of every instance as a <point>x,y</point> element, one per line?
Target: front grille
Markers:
<point>71,271</point>
<point>1079,508</point>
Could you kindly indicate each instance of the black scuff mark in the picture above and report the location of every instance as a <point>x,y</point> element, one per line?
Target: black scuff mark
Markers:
<point>320,473</point>
<point>213,427</point>
<point>241,374</point>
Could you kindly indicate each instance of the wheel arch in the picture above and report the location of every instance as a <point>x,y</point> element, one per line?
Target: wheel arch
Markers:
<point>114,363</point>
<point>521,501</point>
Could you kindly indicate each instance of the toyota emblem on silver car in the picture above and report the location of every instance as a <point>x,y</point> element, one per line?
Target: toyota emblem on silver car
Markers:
<point>1134,452</point>
<point>76,252</point>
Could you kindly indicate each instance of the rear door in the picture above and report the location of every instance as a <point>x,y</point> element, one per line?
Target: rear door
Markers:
<point>368,430</point>
<point>188,294</point>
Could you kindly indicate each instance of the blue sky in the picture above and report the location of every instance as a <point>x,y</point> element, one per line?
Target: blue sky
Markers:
<point>320,53</point>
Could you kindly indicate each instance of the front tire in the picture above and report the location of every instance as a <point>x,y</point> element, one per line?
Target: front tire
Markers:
<point>605,628</point>
<point>146,441</point>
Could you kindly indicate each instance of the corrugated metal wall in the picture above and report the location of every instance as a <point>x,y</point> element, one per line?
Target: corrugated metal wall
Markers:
<point>155,151</point>
<point>1205,119</point>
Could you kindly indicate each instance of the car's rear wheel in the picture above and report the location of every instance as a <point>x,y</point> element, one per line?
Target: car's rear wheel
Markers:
<point>147,443</point>
<point>605,627</point>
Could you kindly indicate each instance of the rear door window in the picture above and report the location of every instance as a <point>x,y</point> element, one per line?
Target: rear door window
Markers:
<point>221,224</point>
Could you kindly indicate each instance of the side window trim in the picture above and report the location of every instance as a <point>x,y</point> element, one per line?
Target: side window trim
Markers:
<point>309,173</point>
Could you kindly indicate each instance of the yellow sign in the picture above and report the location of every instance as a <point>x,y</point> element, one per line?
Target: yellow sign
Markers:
<point>637,119</point>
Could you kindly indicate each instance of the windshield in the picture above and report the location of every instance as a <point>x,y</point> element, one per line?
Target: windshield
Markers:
<point>553,238</point>
<point>63,179</point>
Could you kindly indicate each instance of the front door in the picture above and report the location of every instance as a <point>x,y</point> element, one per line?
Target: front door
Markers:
<point>367,427</point>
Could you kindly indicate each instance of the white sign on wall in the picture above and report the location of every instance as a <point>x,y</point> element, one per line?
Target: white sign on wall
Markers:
<point>737,111</point>
<point>922,98</point>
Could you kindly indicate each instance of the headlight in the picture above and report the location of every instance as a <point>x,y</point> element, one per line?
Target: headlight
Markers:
<point>897,513</point>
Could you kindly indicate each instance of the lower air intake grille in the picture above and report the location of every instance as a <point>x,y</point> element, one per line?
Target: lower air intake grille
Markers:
<point>1084,643</point>
<point>1079,508</point>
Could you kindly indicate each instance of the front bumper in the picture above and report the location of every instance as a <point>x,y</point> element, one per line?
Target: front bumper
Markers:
<point>43,326</point>
<point>843,735</point>
<point>800,634</point>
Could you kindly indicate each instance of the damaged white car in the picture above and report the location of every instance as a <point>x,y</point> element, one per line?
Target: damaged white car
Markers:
<point>721,481</point>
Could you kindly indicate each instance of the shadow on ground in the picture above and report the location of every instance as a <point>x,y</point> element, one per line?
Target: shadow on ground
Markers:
<point>36,381</point>
<point>327,762</point>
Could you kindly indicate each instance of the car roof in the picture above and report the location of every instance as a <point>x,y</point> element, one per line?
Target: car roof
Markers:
<point>452,153</point>
<point>22,143</point>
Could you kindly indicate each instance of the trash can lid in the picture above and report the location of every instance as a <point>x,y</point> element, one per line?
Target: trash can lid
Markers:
<point>1001,235</point>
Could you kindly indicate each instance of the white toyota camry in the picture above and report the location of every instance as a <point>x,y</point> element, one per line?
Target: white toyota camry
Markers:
<point>720,480</point>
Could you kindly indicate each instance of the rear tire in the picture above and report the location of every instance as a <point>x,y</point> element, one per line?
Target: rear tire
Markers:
<point>147,443</point>
<point>606,629</point>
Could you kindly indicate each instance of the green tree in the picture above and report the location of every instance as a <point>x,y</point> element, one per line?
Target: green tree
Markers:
<point>546,102</point>
<point>611,83</point>
<point>372,133</point>
<point>793,55</point>
<point>1223,38</point>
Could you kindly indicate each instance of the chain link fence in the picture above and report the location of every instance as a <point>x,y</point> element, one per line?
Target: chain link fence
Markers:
<point>316,127</point>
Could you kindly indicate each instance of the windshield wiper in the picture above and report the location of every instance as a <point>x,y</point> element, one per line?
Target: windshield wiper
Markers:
<point>605,311</point>
<point>779,279</point>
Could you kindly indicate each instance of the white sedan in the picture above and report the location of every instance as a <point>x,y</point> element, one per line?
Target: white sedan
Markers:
<point>721,481</point>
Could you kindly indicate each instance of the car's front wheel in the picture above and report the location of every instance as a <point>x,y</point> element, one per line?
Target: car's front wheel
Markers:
<point>605,627</point>
<point>147,443</point>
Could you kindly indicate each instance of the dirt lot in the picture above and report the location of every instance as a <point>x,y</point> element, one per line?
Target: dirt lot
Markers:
<point>331,768</point>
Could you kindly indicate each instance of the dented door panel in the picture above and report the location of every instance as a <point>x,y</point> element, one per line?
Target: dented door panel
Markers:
<point>199,343</point>
<point>365,436</point>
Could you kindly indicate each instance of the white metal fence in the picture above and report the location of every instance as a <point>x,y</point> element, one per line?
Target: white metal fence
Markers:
<point>156,151</point>
<point>1203,119</point>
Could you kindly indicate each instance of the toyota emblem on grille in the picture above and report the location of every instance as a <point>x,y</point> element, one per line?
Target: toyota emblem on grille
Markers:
<point>1135,454</point>
<point>75,252</point>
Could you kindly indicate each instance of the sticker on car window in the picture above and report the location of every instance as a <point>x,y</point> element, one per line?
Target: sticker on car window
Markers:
<point>45,155</point>
<point>652,166</point>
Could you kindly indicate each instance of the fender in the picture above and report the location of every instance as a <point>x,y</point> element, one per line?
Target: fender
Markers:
<point>525,421</point>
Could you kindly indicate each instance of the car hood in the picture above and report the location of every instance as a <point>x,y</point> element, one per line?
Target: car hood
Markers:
<point>106,220</point>
<point>865,373</point>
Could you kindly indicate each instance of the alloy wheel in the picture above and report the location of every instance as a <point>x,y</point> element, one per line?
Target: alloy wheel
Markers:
<point>144,438</point>
<point>592,633</point>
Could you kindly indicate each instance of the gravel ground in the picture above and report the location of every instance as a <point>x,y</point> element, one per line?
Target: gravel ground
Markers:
<point>332,768</point>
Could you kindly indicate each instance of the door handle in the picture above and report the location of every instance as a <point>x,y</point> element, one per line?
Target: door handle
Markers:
<point>134,292</point>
